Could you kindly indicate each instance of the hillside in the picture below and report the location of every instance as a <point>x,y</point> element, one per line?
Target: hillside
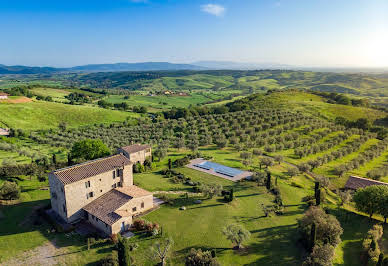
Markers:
<point>373,87</point>
<point>44,115</point>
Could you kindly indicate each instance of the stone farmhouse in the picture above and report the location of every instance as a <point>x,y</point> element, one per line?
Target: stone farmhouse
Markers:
<point>3,96</point>
<point>136,153</point>
<point>356,182</point>
<point>99,191</point>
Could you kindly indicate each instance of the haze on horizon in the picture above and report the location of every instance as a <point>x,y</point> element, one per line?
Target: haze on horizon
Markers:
<point>316,33</point>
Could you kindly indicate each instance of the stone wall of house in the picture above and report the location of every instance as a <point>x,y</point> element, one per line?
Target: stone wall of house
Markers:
<point>139,156</point>
<point>137,203</point>
<point>77,193</point>
<point>128,207</point>
<point>57,196</point>
<point>116,227</point>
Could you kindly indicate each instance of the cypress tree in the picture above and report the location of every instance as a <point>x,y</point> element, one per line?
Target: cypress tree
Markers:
<point>231,194</point>
<point>69,160</point>
<point>268,185</point>
<point>54,159</point>
<point>169,164</point>
<point>214,253</point>
<point>123,252</point>
<point>316,187</point>
<point>381,259</point>
<point>313,235</point>
<point>318,197</point>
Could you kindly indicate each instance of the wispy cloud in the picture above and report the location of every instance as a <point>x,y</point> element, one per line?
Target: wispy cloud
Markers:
<point>214,9</point>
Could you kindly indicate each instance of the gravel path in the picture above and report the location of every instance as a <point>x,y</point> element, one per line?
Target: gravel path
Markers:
<point>42,255</point>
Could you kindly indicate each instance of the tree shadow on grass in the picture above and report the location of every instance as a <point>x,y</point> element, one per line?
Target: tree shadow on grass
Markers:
<point>205,206</point>
<point>279,245</point>
<point>186,250</point>
<point>248,195</point>
<point>247,219</point>
<point>355,230</point>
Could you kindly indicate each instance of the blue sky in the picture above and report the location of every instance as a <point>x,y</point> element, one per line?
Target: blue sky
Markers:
<point>296,32</point>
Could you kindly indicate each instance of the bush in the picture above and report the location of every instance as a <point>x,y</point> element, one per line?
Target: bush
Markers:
<point>9,191</point>
<point>322,255</point>
<point>197,257</point>
<point>138,168</point>
<point>370,243</point>
<point>329,229</point>
<point>181,162</point>
<point>110,260</point>
<point>139,225</point>
<point>114,239</point>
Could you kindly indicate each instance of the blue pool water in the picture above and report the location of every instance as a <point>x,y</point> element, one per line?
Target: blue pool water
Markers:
<point>219,168</point>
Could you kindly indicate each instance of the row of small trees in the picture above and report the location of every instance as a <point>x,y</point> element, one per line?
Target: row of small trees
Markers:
<point>205,130</point>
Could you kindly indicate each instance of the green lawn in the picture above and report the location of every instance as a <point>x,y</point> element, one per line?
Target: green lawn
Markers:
<point>17,232</point>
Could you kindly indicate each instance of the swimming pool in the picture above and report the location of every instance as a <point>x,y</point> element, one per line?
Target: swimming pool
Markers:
<point>219,168</point>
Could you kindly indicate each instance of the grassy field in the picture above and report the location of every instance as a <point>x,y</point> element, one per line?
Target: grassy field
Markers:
<point>161,102</point>
<point>56,94</point>
<point>318,106</point>
<point>44,115</point>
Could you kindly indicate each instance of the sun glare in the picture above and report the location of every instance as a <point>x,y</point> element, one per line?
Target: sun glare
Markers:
<point>376,49</point>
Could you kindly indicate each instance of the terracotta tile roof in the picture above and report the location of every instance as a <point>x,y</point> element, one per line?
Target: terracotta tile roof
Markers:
<point>4,94</point>
<point>134,191</point>
<point>356,182</point>
<point>135,148</point>
<point>105,206</point>
<point>81,171</point>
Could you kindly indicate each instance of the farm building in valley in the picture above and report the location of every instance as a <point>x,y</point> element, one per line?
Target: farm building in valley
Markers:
<point>137,153</point>
<point>3,96</point>
<point>100,191</point>
<point>4,132</point>
<point>356,182</point>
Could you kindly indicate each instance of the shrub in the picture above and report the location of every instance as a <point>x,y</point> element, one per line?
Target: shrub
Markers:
<point>329,229</point>
<point>114,238</point>
<point>9,191</point>
<point>370,243</point>
<point>139,225</point>
<point>138,168</point>
<point>110,260</point>
<point>181,162</point>
<point>197,257</point>
<point>322,255</point>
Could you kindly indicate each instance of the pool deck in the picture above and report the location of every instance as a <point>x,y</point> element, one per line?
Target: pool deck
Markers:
<point>238,177</point>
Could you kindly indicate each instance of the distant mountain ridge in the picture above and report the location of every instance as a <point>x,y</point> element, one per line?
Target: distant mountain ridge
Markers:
<point>166,66</point>
<point>144,66</point>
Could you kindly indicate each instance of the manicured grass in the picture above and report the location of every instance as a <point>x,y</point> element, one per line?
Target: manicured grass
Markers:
<point>44,115</point>
<point>200,226</point>
<point>17,232</point>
